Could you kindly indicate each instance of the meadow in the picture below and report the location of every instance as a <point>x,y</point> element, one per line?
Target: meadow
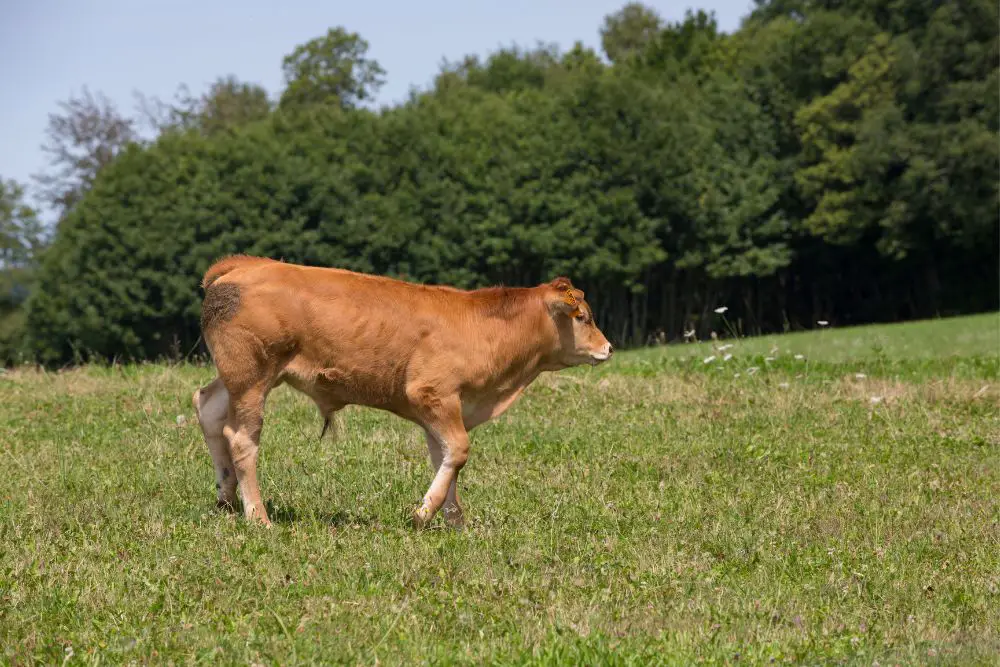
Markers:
<point>815,498</point>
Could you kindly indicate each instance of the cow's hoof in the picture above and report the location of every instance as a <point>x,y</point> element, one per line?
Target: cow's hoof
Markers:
<point>256,515</point>
<point>454,518</point>
<point>421,518</point>
<point>225,505</point>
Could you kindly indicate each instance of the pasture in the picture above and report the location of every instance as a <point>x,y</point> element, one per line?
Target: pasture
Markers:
<point>832,496</point>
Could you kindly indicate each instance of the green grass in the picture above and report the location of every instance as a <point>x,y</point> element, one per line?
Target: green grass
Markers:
<point>959,347</point>
<point>839,508</point>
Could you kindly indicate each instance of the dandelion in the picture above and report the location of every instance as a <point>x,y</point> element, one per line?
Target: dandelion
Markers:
<point>721,309</point>
<point>822,323</point>
<point>752,370</point>
<point>727,357</point>
<point>799,357</point>
<point>709,359</point>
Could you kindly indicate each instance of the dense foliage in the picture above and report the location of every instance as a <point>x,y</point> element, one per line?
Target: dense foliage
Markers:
<point>21,241</point>
<point>827,161</point>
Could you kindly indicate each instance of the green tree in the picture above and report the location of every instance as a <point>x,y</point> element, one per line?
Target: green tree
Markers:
<point>20,230</point>
<point>333,69</point>
<point>629,30</point>
<point>21,241</point>
<point>690,46</point>
<point>228,103</point>
<point>832,128</point>
<point>504,70</point>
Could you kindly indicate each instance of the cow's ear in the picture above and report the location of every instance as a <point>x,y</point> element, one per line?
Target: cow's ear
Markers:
<point>563,297</point>
<point>562,283</point>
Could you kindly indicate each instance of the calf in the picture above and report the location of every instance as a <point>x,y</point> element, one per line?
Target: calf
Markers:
<point>443,358</point>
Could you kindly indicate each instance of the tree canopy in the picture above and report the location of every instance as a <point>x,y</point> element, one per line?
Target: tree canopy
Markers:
<point>21,240</point>
<point>333,69</point>
<point>826,161</point>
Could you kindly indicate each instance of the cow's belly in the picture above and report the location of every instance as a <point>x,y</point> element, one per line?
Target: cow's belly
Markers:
<point>480,408</point>
<point>337,384</point>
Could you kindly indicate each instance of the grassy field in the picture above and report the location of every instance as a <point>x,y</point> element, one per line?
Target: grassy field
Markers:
<point>831,497</point>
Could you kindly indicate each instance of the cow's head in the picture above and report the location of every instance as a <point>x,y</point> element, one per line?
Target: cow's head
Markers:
<point>580,341</point>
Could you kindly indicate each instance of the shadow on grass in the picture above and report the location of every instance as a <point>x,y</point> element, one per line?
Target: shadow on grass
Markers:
<point>288,515</point>
<point>336,518</point>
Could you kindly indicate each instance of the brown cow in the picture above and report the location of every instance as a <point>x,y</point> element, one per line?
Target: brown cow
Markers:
<point>444,358</point>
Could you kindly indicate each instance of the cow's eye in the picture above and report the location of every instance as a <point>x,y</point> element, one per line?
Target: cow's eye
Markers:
<point>581,317</point>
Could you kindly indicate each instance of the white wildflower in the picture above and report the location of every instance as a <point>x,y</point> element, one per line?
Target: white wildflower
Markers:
<point>723,348</point>
<point>875,400</point>
<point>752,370</point>
<point>860,376</point>
<point>799,357</point>
<point>721,309</point>
<point>822,323</point>
<point>709,359</point>
<point>783,385</point>
<point>727,357</point>
<point>768,359</point>
<point>736,375</point>
<point>689,334</point>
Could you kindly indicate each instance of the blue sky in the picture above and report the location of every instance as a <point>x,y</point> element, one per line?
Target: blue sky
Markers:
<point>51,49</point>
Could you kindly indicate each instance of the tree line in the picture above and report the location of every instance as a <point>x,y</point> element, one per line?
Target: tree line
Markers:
<point>831,161</point>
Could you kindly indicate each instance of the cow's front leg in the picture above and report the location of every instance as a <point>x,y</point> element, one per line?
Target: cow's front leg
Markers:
<point>452,509</point>
<point>447,429</point>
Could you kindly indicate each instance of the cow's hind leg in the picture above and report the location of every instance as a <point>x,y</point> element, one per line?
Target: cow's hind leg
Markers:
<point>211,404</point>
<point>242,430</point>
<point>451,508</point>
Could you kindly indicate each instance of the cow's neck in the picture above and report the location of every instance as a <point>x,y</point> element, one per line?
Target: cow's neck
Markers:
<point>518,341</point>
<point>520,347</point>
<point>508,374</point>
